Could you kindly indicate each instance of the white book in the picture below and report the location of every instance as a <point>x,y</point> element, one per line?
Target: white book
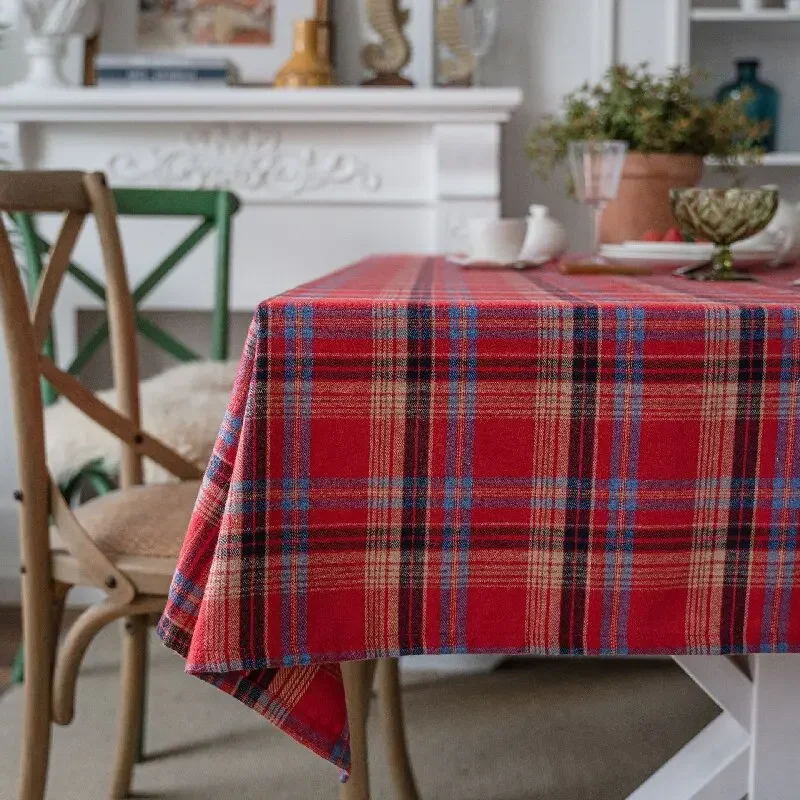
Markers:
<point>159,60</point>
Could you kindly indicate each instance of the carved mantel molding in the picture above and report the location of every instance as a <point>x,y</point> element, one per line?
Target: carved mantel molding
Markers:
<point>252,161</point>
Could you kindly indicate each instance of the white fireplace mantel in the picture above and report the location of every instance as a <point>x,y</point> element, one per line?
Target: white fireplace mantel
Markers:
<point>325,176</point>
<point>342,104</point>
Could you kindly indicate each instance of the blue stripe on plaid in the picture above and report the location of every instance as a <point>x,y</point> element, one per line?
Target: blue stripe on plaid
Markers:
<point>185,594</point>
<point>622,499</point>
<point>457,503</point>
<point>783,497</point>
<point>306,377</point>
<point>470,400</point>
<point>228,435</point>
<point>296,462</point>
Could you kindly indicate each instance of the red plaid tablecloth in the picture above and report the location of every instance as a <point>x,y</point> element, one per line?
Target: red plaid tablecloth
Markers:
<point>419,458</point>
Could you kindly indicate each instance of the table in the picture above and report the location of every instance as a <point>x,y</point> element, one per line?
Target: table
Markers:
<point>419,458</point>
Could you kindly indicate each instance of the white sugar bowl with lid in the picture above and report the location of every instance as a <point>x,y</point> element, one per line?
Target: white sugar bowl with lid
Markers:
<point>546,238</point>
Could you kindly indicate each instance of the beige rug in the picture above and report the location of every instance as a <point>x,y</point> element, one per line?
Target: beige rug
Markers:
<point>533,730</point>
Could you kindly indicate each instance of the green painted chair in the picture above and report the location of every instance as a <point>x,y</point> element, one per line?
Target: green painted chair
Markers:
<point>214,210</point>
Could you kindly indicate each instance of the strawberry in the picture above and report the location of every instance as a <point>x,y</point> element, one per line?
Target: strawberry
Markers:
<point>652,236</point>
<point>673,235</point>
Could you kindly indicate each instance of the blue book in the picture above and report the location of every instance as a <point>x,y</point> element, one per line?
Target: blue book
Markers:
<point>163,68</point>
<point>161,75</point>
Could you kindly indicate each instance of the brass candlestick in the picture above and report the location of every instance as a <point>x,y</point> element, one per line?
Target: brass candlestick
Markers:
<point>305,68</point>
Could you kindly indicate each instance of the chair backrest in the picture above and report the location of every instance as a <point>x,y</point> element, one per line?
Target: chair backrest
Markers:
<point>213,208</point>
<point>77,195</point>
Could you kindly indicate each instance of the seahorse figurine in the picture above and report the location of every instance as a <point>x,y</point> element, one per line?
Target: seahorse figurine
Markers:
<point>456,63</point>
<point>388,57</point>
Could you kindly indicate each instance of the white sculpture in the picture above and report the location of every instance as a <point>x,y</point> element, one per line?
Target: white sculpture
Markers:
<point>51,22</point>
<point>546,239</point>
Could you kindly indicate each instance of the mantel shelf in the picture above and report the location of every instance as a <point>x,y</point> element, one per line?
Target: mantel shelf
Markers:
<point>735,15</point>
<point>239,104</point>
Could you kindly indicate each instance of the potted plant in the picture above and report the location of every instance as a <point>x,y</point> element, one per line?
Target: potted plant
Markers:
<point>669,129</point>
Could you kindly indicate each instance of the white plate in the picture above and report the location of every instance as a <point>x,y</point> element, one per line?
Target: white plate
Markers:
<point>682,254</point>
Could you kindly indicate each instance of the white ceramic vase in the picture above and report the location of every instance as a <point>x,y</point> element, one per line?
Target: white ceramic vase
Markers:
<point>785,226</point>
<point>546,238</point>
<point>783,233</point>
<point>50,23</point>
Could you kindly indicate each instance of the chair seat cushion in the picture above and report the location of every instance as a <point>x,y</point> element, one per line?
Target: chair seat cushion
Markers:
<point>183,407</point>
<point>142,521</point>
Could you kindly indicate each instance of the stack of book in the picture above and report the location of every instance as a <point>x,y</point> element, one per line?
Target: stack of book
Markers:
<point>157,69</point>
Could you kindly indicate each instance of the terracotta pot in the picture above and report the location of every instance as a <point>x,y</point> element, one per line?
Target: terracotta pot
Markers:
<point>643,201</point>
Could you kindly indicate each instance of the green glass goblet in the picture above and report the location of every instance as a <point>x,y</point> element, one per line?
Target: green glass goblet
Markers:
<point>723,217</point>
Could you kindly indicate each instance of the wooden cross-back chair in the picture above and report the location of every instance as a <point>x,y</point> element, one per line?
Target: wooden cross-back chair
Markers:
<point>214,210</point>
<point>125,543</point>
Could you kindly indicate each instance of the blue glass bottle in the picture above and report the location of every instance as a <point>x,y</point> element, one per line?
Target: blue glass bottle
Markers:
<point>766,99</point>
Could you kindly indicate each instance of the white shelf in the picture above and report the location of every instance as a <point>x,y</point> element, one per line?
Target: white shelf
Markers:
<point>772,160</point>
<point>235,104</point>
<point>735,15</point>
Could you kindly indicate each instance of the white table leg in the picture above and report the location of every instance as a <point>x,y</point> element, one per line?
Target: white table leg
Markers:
<point>713,766</point>
<point>724,683</point>
<point>750,750</point>
<point>775,761</point>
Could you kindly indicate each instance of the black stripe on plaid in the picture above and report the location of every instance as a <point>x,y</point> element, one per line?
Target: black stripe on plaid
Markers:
<point>583,413</point>
<point>419,368</point>
<point>744,471</point>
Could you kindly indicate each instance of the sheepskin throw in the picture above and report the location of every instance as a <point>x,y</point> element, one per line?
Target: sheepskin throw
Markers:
<point>183,407</point>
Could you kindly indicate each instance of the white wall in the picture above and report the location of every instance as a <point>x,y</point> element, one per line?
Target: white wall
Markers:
<point>544,46</point>
<point>9,58</point>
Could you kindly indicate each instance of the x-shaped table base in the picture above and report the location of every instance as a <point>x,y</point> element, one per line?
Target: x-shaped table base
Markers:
<point>751,749</point>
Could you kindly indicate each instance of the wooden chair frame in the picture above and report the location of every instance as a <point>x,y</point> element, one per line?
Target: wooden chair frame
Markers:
<point>133,591</point>
<point>135,588</point>
<point>214,208</point>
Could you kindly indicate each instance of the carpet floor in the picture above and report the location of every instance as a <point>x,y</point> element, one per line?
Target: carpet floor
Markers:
<point>532,730</point>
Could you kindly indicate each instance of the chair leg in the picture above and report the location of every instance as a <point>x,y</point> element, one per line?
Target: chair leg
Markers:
<point>134,643</point>
<point>390,701</point>
<point>357,677</point>
<point>41,619</point>
<point>140,752</point>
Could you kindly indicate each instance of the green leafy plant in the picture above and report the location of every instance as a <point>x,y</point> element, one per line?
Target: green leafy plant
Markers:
<point>654,114</point>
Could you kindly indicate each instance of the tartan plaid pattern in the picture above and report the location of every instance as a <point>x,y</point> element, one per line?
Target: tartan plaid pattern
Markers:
<point>424,459</point>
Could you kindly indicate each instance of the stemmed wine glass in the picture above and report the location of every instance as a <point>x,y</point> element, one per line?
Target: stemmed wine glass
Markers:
<point>596,168</point>
<point>479,20</point>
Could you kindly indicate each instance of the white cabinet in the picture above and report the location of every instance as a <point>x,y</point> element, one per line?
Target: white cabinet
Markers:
<point>714,33</point>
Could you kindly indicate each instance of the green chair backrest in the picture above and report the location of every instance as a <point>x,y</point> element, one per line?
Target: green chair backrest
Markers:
<point>214,208</point>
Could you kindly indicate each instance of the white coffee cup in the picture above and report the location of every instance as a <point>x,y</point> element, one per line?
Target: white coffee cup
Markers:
<point>496,240</point>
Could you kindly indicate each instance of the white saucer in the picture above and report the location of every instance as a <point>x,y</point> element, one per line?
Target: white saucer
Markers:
<point>684,254</point>
<point>466,262</point>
